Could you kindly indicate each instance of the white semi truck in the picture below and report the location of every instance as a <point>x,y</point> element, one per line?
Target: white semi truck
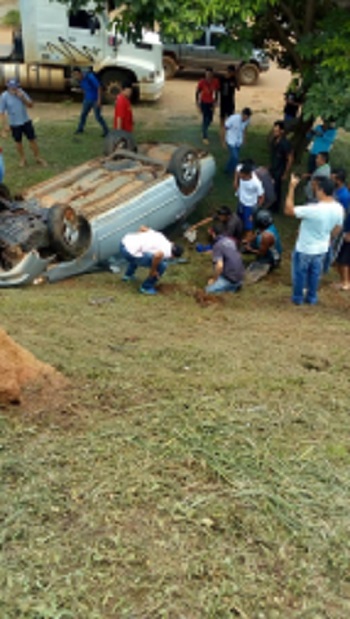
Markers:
<point>53,39</point>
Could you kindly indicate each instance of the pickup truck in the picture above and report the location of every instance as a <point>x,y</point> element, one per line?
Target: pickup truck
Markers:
<point>205,51</point>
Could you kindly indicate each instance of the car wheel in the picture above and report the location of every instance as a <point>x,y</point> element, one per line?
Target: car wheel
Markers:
<point>69,233</point>
<point>118,139</point>
<point>111,81</point>
<point>248,74</point>
<point>5,194</point>
<point>169,66</point>
<point>184,165</point>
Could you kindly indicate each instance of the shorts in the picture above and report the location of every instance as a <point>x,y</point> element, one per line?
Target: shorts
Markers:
<point>226,109</point>
<point>18,131</point>
<point>246,214</point>
<point>343,257</point>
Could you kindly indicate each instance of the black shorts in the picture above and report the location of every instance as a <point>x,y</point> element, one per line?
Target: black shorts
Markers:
<point>18,131</point>
<point>226,109</point>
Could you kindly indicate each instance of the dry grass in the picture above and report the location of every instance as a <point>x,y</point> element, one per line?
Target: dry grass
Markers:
<point>199,467</point>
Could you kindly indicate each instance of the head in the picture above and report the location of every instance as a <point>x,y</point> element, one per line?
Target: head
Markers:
<point>77,74</point>
<point>223,214</point>
<point>209,73</point>
<point>246,113</point>
<point>12,85</point>
<point>262,219</point>
<point>231,70</point>
<point>246,171</point>
<point>216,230</point>
<point>176,251</point>
<point>323,187</point>
<point>278,129</point>
<point>339,177</point>
<point>127,88</point>
<point>321,159</point>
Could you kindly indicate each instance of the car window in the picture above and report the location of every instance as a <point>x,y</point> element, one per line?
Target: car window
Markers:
<point>83,20</point>
<point>216,38</point>
<point>199,39</point>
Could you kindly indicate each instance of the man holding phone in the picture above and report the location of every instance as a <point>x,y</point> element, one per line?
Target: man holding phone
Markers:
<point>14,102</point>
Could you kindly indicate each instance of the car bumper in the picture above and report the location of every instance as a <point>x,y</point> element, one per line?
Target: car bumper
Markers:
<point>151,90</point>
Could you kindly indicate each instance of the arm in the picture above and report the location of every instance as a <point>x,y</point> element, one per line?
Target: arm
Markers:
<point>4,125</point>
<point>24,98</point>
<point>289,206</point>
<point>261,199</point>
<point>157,259</point>
<point>290,159</point>
<point>99,98</point>
<point>218,269</point>
<point>198,92</point>
<point>201,223</point>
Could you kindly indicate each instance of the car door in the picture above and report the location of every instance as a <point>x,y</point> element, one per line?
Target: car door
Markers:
<point>86,35</point>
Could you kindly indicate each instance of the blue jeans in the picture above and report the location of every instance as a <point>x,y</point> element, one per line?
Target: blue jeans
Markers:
<point>223,285</point>
<point>306,274</point>
<point>233,158</point>
<point>143,261</point>
<point>207,116</point>
<point>85,111</point>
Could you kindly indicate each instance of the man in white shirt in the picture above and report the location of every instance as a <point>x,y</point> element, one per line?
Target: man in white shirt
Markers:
<point>250,192</point>
<point>150,249</point>
<point>235,126</point>
<point>319,222</point>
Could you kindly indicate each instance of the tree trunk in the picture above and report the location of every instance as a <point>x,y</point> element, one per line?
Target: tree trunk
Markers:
<point>299,139</point>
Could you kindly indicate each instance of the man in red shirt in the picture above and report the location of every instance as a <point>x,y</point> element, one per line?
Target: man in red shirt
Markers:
<point>123,118</point>
<point>206,99</point>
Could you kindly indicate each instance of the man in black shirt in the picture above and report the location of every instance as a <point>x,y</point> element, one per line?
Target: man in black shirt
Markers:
<point>229,83</point>
<point>281,159</point>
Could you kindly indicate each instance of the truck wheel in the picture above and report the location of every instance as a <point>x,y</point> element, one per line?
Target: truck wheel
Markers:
<point>169,66</point>
<point>112,83</point>
<point>118,139</point>
<point>69,233</point>
<point>248,74</point>
<point>184,165</point>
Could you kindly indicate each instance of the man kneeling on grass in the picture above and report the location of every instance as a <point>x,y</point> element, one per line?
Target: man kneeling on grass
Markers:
<point>150,249</point>
<point>227,262</point>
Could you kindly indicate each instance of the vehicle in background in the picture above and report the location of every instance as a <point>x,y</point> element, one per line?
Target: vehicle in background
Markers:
<point>206,50</point>
<point>53,39</point>
<point>74,222</point>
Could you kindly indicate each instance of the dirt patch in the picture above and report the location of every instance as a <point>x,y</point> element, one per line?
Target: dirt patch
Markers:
<point>22,375</point>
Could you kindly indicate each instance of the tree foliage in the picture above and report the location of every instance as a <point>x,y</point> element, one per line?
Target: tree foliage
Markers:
<point>310,37</point>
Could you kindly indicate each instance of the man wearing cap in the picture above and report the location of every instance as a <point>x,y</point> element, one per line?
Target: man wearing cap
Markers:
<point>14,102</point>
<point>151,249</point>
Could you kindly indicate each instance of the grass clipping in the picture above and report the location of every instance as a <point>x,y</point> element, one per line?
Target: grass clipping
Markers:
<point>22,373</point>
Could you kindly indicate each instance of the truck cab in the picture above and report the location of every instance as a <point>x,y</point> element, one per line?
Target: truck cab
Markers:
<point>55,38</point>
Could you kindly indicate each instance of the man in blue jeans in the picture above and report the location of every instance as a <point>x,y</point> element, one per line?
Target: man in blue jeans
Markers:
<point>92,90</point>
<point>150,249</point>
<point>227,261</point>
<point>319,222</point>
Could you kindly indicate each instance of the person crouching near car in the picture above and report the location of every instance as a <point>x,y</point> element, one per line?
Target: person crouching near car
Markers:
<point>151,249</point>
<point>250,192</point>
<point>227,263</point>
<point>265,245</point>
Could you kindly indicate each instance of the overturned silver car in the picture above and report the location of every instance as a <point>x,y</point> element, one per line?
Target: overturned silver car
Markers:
<point>73,223</point>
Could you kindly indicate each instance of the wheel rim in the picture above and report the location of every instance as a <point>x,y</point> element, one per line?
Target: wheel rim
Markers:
<point>70,226</point>
<point>113,89</point>
<point>189,167</point>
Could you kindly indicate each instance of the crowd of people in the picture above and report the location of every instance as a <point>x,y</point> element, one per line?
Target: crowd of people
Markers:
<point>324,232</point>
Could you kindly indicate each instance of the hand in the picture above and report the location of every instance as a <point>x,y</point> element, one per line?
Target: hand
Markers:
<point>294,180</point>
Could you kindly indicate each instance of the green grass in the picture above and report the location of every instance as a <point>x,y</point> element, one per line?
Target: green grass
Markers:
<point>198,466</point>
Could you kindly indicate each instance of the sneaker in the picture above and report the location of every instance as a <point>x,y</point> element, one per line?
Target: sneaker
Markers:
<point>128,278</point>
<point>150,291</point>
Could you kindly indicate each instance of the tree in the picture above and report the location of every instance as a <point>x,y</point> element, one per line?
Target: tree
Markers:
<point>310,37</point>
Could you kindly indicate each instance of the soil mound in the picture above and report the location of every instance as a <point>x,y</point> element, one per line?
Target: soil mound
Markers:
<point>20,370</point>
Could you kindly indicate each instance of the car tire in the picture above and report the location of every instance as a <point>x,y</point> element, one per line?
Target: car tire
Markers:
<point>117,139</point>
<point>5,193</point>
<point>112,81</point>
<point>169,66</point>
<point>248,74</point>
<point>184,165</point>
<point>69,233</point>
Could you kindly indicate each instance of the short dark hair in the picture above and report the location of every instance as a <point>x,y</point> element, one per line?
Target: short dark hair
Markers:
<point>231,67</point>
<point>324,156</point>
<point>177,251</point>
<point>209,69</point>
<point>247,111</point>
<point>76,70</point>
<point>325,184</point>
<point>224,210</point>
<point>126,84</point>
<point>246,168</point>
<point>339,174</point>
<point>217,228</point>
<point>280,124</point>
